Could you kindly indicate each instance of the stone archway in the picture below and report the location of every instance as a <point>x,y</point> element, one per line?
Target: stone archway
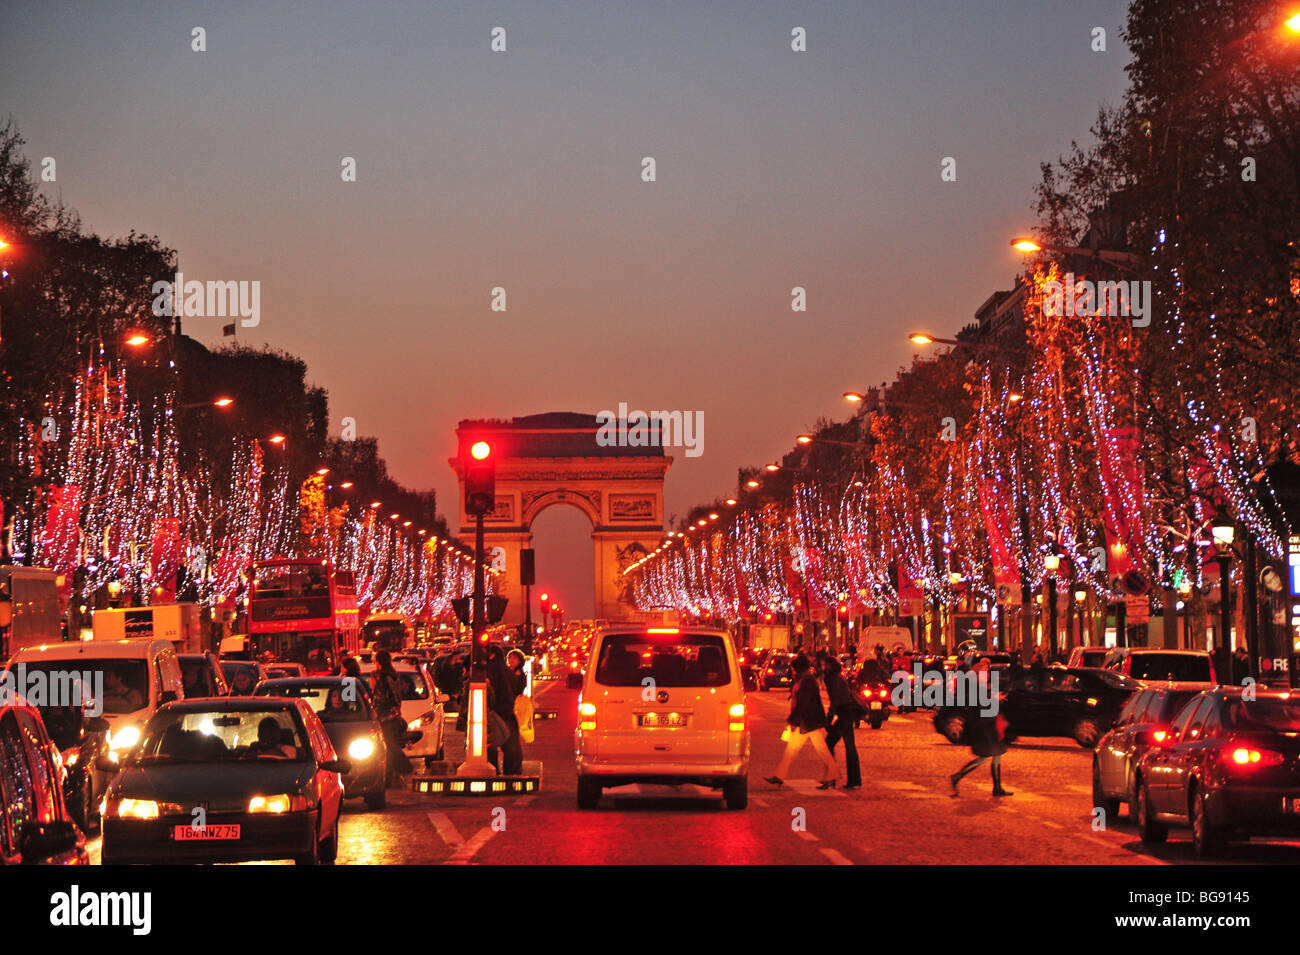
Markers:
<point>549,460</point>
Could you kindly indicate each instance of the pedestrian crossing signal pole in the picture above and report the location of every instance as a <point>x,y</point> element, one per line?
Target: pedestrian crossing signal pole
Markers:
<point>480,495</point>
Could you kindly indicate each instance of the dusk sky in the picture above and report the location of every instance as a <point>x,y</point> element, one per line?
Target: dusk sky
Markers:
<point>522,170</point>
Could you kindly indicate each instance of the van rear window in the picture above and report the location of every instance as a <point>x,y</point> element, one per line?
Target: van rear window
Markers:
<point>1170,666</point>
<point>671,660</point>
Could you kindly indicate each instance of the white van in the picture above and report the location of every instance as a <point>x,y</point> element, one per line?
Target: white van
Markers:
<point>136,676</point>
<point>662,705</point>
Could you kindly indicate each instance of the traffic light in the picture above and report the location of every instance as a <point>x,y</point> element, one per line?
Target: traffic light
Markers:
<point>480,478</point>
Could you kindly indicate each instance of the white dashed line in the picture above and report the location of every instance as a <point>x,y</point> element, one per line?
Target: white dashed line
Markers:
<point>838,858</point>
<point>465,853</point>
<point>446,830</point>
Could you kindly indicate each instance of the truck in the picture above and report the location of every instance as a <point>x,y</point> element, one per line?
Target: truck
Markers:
<point>29,608</point>
<point>179,623</point>
<point>775,635</point>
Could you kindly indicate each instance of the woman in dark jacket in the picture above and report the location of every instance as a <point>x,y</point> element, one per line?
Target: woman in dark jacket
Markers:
<point>987,741</point>
<point>843,716</point>
<point>386,695</point>
<point>806,724</point>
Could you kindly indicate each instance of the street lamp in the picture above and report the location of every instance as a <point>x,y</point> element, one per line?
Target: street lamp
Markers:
<point>1120,260</point>
<point>1223,532</point>
<point>222,402</point>
<point>1080,597</point>
<point>136,339</point>
<point>1051,564</point>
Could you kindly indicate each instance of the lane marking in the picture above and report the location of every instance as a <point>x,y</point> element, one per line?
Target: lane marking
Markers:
<point>447,830</point>
<point>465,853</point>
<point>838,858</point>
<point>807,836</point>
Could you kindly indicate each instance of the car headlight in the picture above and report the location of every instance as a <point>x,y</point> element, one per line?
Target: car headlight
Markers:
<point>361,748</point>
<point>281,802</point>
<point>126,808</point>
<point>125,738</point>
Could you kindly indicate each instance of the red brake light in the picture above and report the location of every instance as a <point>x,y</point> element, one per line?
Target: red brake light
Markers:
<point>1159,736</point>
<point>1243,757</point>
<point>663,630</point>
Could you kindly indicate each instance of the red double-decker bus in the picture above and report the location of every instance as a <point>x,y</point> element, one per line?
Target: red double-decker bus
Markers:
<point>302,611</point>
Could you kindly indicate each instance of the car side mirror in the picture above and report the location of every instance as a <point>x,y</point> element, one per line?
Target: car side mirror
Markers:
<point>42,840</point>
<point>96,724</point>
<point>336,766</point>
<point>166,696</point>
<point>441,697</point>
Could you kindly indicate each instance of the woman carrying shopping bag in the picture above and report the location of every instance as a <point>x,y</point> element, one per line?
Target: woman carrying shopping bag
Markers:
<point>806,725</point>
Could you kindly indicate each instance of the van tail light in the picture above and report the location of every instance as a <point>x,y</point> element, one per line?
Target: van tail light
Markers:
<point>737,716</point>
<point>1246,758</point>
<point>586,716</point>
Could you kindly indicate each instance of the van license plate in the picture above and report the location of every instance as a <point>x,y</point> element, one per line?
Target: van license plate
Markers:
<point>676,720</point>
<point>188,833</point>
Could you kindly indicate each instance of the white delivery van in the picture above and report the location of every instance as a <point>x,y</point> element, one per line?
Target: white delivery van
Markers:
<point>662,705</point>
<point>127,679</point>
<point>180,624</point>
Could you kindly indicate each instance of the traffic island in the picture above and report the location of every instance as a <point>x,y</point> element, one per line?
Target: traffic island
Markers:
<point>443,781</point>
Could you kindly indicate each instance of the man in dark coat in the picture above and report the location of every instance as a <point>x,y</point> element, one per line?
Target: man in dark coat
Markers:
<point>843,715</point>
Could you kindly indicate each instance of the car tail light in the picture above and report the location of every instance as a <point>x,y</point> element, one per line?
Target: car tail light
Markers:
<point>587,716</point>
<point>737,716</point>
<point>1246,758</point>
<point>1159,736</point>
<point>884,694</point>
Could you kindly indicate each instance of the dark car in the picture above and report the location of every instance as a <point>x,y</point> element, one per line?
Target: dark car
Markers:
<point>35,826</point>
<point>242,676</point>
<point>229,780</point>
<point>748,677</point>
<point>1080,703</point>
<point>776,672</point>
<point>81,740</point>
<point>353,726</point>
<point>202,676</point>
<point>1231,769</point>
<point>1143,723</point>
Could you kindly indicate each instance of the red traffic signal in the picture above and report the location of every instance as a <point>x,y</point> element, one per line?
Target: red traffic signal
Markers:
<point>480,478</point>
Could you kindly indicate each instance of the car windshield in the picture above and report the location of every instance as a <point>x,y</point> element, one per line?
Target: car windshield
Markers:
<point>241,676</point>
<point>219,736</point>
<point>1179,667</point>
<point>341,700</point>
<point>628,659</point>
<point>1267,714</point>
<point>197,677</point>
<point>123,681</point>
